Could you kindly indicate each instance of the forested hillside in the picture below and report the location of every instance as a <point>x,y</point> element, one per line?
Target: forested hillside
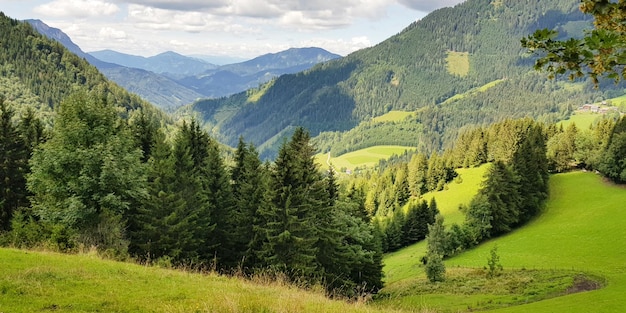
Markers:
<point>39,73</point>
<point>457,66</point>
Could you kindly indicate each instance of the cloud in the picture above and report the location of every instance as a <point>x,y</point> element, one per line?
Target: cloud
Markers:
<point>299,14</point>
<point>77,8</point>
<point>188,21</point>
<point>111,33</point>
<point>429,5</point>
<point>181,5</point>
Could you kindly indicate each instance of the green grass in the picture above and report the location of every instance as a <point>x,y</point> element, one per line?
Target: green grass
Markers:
<point>392,116</point>
<point>458,63</point>
<point>473,91</point>
<point>581,231</point>
<point>582,120</point>
<point>367,157</point>
<point>49,282</point>
<point>404,264</point>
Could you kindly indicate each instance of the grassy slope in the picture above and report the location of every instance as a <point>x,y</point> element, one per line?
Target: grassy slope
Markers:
<point>582,120</point>
<point>42,282</point>
<point>393,116</point>
<point>404,264</point>
<point>581,230</point>
<point>361,158</point>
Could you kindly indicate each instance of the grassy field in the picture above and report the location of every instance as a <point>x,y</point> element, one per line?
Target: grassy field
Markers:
<point>580,234</point>
<point>582,120</point>
<point>482,88</point>
<point>458,63</point>
<point>361,158</point>
<point>404,264</point>
<point>49,282</point>
<point>392,116</point>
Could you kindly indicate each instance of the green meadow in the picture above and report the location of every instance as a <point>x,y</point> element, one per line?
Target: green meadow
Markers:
<point>392,116</point>
<point>404,264</point>
<point>582,120</point>
<point>367,157</point>
<point>574,245</point>
<point>458,63</point>
<point>50,282</point>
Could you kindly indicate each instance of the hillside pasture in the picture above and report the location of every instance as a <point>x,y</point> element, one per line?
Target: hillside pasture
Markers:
<point>404,264</point>
<point>51,282</point>
<point>574,245</point>
<point>458,63</point>
<point>392,116</point>
<point>363,158</point>
<point>582,120</point>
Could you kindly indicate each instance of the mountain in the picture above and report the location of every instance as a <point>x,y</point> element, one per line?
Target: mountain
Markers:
<point>39,72</point>
<point>157,89</point>
<point>233,78</point>
<point>218,60</point>
<point>199,79</point>
<point>64,39</point>
<point>456,67</point>
<point>168,63</point>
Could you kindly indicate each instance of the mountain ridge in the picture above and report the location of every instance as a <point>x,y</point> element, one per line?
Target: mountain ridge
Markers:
<point>411,72</point>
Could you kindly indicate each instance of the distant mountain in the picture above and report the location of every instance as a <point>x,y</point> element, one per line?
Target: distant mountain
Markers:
<point>157,89</point>
<point>40,72</point>
<point>218,60</point>
<point>168,63</point>
<point>64,39</point>
<point>454,68</point>
<point>233,78</point>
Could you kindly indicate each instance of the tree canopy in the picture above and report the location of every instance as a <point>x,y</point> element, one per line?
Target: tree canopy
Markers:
<point>601,52</point>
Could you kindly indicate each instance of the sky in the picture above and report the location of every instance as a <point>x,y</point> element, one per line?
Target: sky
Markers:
<point>234,28</point>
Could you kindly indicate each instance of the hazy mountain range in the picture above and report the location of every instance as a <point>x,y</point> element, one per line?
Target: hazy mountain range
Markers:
<point>170,80</point>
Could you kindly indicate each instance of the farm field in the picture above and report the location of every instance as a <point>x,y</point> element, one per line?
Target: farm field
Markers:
<point>367,157</point>
<point>576,236</point>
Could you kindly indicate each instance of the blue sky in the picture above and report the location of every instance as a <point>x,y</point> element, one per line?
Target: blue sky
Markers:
<point>235,28</point>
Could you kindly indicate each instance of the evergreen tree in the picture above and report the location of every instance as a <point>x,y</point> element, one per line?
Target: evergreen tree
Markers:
<point>249,189</point>
<point>89,174</point>
<point>501,190</point>
<point>294,187</point>
<point>14,154</point>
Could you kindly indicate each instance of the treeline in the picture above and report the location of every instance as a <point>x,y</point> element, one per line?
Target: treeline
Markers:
<point>602,147</point>
<point>514,190</point>
<point>120,186</point>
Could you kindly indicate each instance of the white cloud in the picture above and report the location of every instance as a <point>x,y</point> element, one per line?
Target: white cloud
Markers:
<point>429,5</point>
<point>111,33</point>
<point>181,5</point>
<point>77,8</point>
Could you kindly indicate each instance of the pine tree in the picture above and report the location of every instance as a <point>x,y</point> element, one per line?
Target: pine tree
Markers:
<point>14,156</point>
<point>249,190</point>
<point>290,233</point>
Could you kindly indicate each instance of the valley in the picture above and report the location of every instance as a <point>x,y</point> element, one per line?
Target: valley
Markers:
<point>443,169</point>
